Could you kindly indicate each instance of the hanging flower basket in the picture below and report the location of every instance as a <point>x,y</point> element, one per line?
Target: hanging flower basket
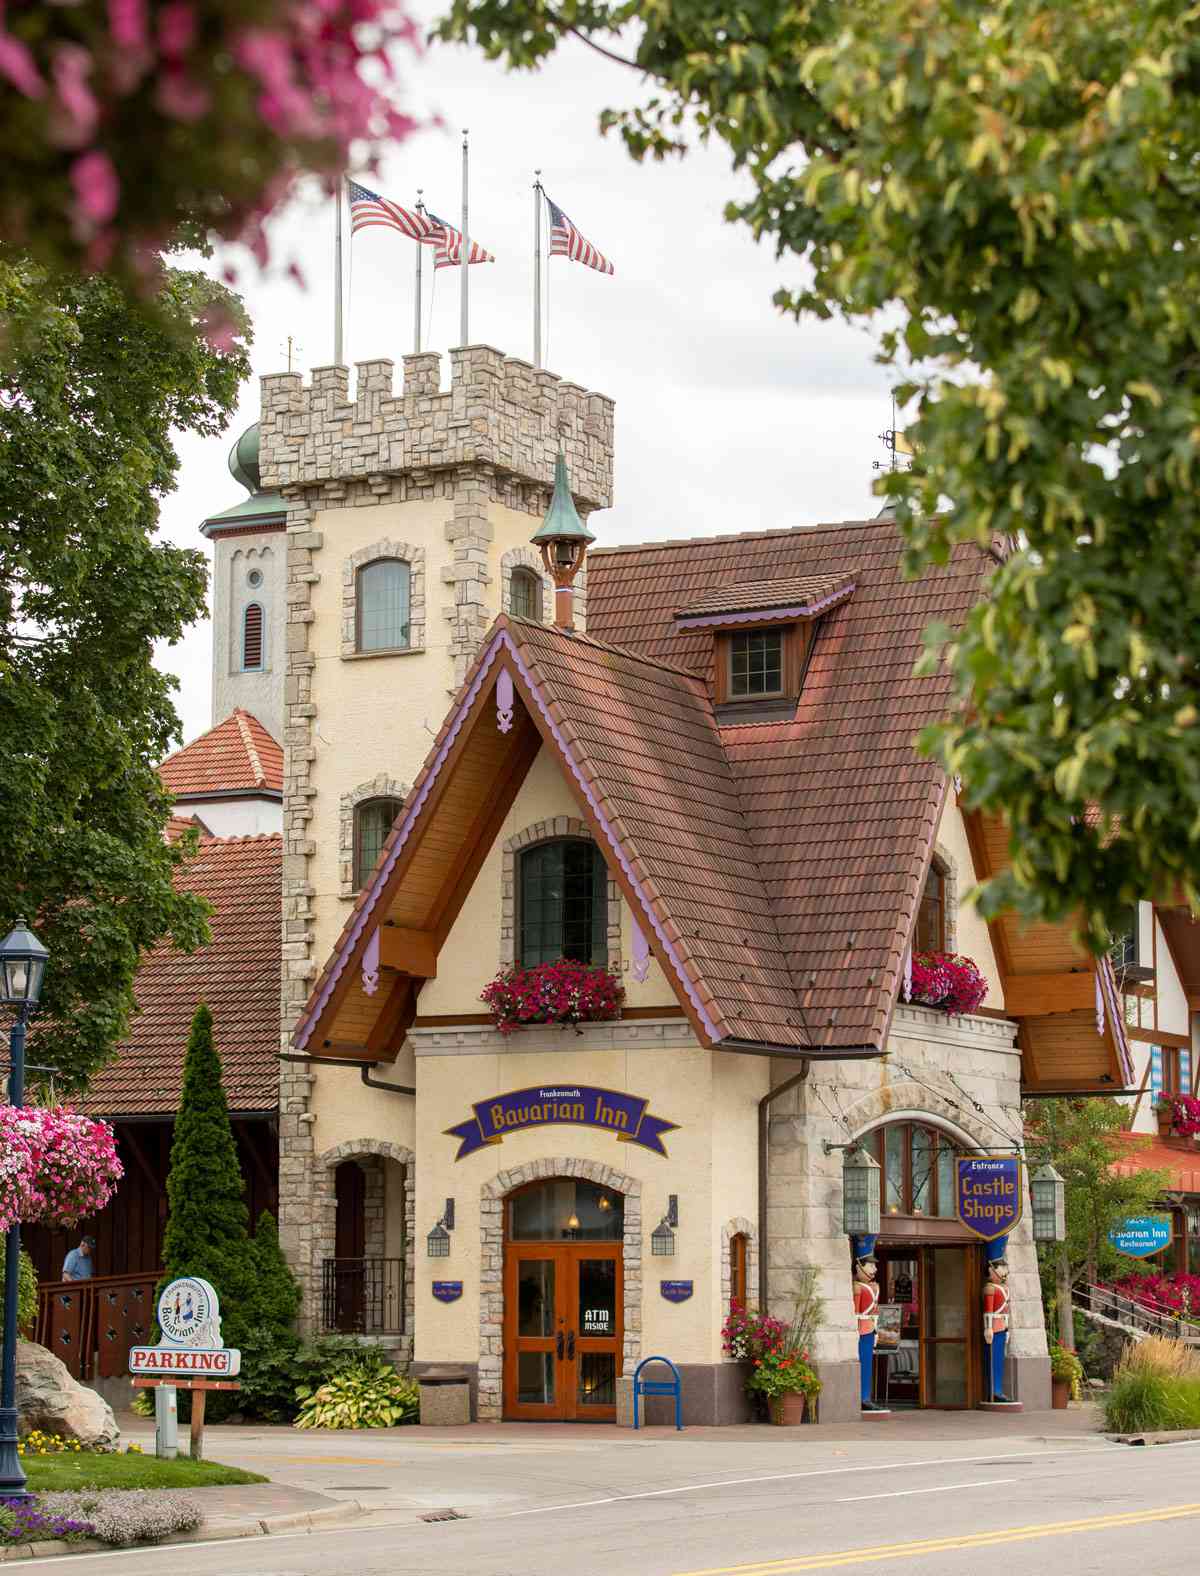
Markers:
<point>564,992</point>
<point>948,981</point>
<point>1178,1114</point>
<point>56,1167</point>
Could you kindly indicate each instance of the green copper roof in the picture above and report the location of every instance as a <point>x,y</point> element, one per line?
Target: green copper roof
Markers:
<point>562,522</point>
<point>266,508</point>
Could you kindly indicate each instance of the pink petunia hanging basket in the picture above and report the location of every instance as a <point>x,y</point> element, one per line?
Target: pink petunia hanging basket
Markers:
<point>56,1167</point>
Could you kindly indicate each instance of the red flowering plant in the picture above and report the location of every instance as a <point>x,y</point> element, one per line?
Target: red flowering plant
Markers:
<point>566,992</point>
<point>1177,1293</point>
<point>56,1167</point>
<point>1184,1113</point>
<point>777,1352</point>
<point>946,980</point>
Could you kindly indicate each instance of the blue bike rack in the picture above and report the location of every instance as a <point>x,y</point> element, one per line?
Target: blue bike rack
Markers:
<point>673,1386</point>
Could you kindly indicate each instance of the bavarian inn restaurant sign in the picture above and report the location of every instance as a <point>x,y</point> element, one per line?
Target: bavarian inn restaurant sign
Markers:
<point>189,1316</point>
<point>578,1105</point>
<point>989,1194</point>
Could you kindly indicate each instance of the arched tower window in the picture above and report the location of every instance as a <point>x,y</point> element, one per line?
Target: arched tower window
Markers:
<point>917,1165</point>
<point>372,822</point>
<point>252,636</point>
<point>383,605</point>
<point>525,595</point>
<point>738,1254</point>
<point>563,889</point>
<point>931,916</point>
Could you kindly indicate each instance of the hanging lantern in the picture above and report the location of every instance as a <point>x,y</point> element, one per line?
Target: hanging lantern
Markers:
<point>437,1243</point>
<point>1048,1194</point>
<point>860,1193</point>
<point>662,1238</point>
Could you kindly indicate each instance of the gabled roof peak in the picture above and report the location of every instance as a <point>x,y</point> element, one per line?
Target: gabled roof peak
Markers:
<point>238,754</point>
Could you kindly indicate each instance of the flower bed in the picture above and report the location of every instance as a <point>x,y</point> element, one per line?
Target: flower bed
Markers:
<point>565,992</point>
<point>948,981</point>
<point>1177,1293</point>
<point>56,1167</point>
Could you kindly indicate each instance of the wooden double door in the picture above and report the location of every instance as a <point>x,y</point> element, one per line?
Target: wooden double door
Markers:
<point>563,1333</point>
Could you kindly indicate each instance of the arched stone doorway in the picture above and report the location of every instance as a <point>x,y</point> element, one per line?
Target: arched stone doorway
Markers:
<point>362,1250</point>
<point>560,1290</point>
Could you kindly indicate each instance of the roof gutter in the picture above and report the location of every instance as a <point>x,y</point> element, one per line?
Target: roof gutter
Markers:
<point>794,1053</point>
<point>364,1068</point>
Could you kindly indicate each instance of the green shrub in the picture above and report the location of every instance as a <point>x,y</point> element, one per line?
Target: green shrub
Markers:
<point>275,1299</point>
<point>363,1391</point>
<point>27,1293</point>
<point>1065,1364</point>
<point>1156,1387</point>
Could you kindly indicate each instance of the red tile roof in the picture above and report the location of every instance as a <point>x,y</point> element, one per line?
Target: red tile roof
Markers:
<point>237,974</point>
<point>237,753</point>
<point>177,825</point>
<point>766,595</point>
<point>1150,1154</point>
<point>838,805</point>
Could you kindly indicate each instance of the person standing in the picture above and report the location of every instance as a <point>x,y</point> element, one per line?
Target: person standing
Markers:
<point>80,1263</point>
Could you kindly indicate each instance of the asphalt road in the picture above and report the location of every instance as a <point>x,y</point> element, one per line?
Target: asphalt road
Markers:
<point>660,1508</point>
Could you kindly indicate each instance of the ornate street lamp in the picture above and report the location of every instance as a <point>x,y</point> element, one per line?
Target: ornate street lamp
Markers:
<point>22,965</point>
<point>1048,1194</point>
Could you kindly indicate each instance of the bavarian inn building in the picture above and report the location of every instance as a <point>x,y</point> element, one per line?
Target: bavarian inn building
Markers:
<point>690,762</point>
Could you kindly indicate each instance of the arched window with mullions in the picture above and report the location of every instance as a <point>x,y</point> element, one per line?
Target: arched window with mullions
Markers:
<point>931,928</point>
<point>917,1166</point>
<point>563,903</point>
<point>382,601</point>
<point>525,595</point>
<point>372,822</point>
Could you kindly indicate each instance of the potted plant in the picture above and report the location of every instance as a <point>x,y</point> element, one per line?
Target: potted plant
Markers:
<point>779,1373</point>
<point>786,1379</point>
<point>1164,1112</point>
<point>566,992</point>
<point>1066,1377</point>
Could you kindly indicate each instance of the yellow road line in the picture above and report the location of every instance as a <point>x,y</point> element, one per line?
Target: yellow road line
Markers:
<point>975,1540</point>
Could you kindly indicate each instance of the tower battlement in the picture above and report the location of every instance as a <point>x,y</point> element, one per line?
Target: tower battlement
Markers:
<point>498,411</point>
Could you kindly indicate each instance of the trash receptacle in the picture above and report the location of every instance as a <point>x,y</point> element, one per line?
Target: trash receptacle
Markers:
<point>445,1397</point>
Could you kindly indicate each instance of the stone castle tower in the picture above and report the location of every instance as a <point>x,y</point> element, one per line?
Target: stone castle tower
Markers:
<point>407,521</point>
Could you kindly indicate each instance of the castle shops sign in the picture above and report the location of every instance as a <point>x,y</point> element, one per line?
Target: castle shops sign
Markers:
<point>622,1115</point>
<point>989,1194</point>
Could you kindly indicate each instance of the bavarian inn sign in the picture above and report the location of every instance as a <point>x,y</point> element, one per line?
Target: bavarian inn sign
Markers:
<point>189,1316</point>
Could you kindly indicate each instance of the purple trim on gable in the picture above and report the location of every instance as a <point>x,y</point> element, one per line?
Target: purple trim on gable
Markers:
<point>1116,1020</point>
<point>759,614</point>
<point>370,964</point>
<point>306,1024</point>
<point>641,952</point>
<point>504,700</point>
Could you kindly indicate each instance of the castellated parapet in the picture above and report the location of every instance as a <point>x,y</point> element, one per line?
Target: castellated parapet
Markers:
<point>499,413</point>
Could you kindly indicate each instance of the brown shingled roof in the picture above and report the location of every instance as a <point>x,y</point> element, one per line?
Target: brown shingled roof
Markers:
<point>767,595</point>
<point>237,753</point>
<point>237,974</point>
<point>840,808</point>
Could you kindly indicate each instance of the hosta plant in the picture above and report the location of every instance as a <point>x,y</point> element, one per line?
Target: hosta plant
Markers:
<point>366,1392</point>
<point>565,992</point>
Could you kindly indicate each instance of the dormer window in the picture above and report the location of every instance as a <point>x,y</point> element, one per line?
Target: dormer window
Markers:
<point>762,633</point>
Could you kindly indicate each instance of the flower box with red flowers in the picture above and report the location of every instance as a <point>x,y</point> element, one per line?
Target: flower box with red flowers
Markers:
<point>1180,1114</point>
<point>565,992</point>
<point>948,981</point>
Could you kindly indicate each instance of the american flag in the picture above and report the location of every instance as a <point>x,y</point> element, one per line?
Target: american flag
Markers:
<point>566,241</point>
<point>448,241</point>
<point>368,208</point>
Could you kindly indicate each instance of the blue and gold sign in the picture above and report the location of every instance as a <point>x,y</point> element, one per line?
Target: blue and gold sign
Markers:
<point>1142,1236</point>
<point>989,1194</point>
<point>577,1105</point>
<point>676,1291</point>
<point>447,1291</point>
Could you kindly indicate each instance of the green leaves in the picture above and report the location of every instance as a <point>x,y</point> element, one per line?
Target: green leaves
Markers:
<point>362,1391</point>
<point>90,390</point>
<point>1016,182</point>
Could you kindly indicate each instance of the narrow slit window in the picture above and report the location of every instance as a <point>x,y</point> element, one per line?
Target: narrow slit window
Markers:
<point>372,823</point>
<point>931,916</point>
<point>525,595</point>
<point>252,636</point>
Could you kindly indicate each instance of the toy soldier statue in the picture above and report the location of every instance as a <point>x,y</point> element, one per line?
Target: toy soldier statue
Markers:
<point>866,1304</point>
<point>996,1298</point>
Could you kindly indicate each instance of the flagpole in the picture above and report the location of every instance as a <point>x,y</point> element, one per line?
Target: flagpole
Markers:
<point>537,268</point>
<point>338,346</point>
<point>466,250</point>
<point>417,308</point>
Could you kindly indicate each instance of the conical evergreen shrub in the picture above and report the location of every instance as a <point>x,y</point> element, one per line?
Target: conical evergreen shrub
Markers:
<point>207,1216</point>
<point>276,1299</point>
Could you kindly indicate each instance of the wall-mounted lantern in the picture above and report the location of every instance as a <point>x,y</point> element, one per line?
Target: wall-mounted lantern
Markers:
<point>1048,1194</point>
<point>437,1243</point>
<point>860,1193</point>
<point>662,1238</point>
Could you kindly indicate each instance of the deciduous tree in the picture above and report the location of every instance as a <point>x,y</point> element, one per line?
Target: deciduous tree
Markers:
<point>90,391</point>
<point>1008,188</point>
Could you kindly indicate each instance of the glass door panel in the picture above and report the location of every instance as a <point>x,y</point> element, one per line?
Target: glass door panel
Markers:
<point>946,1315</point>
<point>535,1297</point>
<point>534,1340</point>
<point>594,1334</point>
<point>535,1378</point>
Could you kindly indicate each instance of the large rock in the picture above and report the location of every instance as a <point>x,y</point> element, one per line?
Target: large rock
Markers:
<point>48,1398</point>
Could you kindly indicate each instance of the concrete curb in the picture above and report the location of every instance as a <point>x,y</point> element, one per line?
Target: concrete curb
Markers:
<point>297,1521</point>
<point>1173,1436</point>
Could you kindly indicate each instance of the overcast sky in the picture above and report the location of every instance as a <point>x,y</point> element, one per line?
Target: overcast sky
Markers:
<point>728,416</point>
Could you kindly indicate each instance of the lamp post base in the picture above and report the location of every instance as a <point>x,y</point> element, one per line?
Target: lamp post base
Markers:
<point>12,1473</point>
